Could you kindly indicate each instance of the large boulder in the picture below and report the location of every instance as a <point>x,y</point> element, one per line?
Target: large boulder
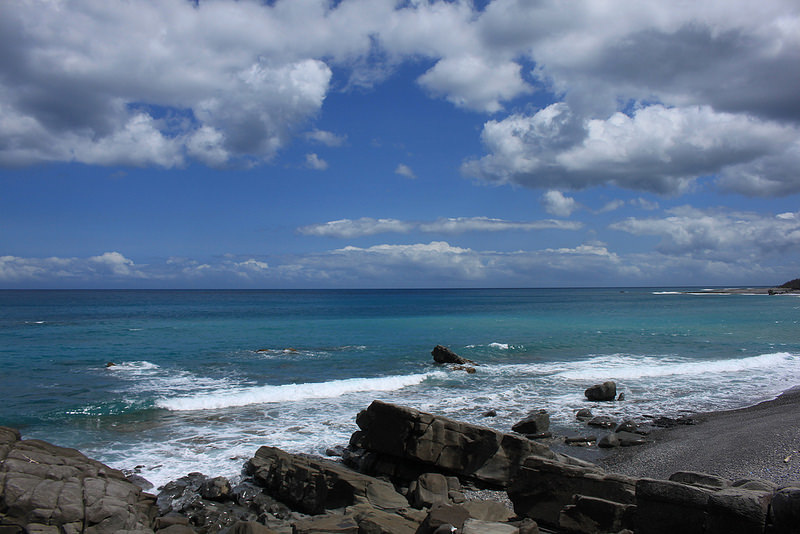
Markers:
<point>445,355</point>
<point>607,391</point>
<point>535,422</point>
<point>47,488</point>
<point>313,485</point>
<point>543,487</point>
<point>404,443</point>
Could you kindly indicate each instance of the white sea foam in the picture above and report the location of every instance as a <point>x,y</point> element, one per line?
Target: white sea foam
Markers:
<point>623,367</point>
<point>666,292</point>
<point>133,366</point>
<point>502,346</point>
<point>289,392</point>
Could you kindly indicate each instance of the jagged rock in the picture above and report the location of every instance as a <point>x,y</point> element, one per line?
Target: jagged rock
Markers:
<point>607,391</point>
<point>584,414</point>
<point>592,514</point>
<point>216,489</point>
<point>669,422</point>
<point>48,488</point>
<point>444,355</point>
<point>535,422</point>
<point>477,526</point>
<point>403,442</point>
<point>543,487</point>
<point>489,413</point>
<point>313,485</point>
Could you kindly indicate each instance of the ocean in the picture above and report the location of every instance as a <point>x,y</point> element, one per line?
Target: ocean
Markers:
<point>203,378</point>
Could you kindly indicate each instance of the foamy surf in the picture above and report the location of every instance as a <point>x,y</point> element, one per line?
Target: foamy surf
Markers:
<point>290,392</point>
<point>622,367</point>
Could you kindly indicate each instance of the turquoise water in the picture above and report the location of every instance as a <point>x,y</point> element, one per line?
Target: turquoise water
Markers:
<point>203,378</point>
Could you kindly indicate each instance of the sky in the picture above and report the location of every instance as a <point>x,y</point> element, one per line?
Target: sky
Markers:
<point>398,144</point>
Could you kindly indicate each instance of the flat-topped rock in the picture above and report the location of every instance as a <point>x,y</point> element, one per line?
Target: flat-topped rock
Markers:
<point>404,443</point>
<point>44,487</point>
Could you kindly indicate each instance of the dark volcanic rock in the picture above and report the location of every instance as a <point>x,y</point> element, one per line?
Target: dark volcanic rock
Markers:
<point>584,414</point>
<point>313,485</point>
<point>602,421</point>
<point>444,355</point>
<point>46,488</point>
<point>607,391</point>
<point>404,443</point>
<point>535,422</point>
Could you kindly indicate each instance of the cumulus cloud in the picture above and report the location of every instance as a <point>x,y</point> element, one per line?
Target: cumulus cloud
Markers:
<point>719,235</point>
<point>315,162</point>
<point>475,82</point>
<point>349,228</point>
<point>405,170</point>
<point>110,266</point>
<point>657,149</point>
<point>556,203</point>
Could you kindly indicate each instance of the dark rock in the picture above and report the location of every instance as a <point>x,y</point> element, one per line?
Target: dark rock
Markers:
<point>666,507</point>
<point>540,435</point>
<point>702,480</point>
<point>737,511</point>
<point>216,489</point>
<point>543,487</point>
<point>444,355</point>
<point>314,485</point>
<point>111,364</point>
<point>429,489</point>
<point>404,443</point>
<point>373,521</point>
<point>580,440</point>
<point>249,527</point>
<point>489,413</point>
<point>621,397</point>
<point>337,450</point>
<point>669,422</point>
<point>43,486</point>
<point>477,526</point>
<point>592,514</point>
<point>535,422</point>
<point>327,524</point>
<point>784,513</point>
<point>584,414</point>
<point>607,391</point>
<point>602,421</point>
<point>609,441</point>
<point>493,511</point>
<point>627,426</point>
<point>445,514</point>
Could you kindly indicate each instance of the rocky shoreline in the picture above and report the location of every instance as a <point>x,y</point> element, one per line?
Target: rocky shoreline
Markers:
<point>407,471</point>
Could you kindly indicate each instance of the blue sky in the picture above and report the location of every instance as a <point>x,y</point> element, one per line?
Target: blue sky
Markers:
<point>312,144</point>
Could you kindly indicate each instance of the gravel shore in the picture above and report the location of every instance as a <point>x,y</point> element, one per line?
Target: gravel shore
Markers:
<point>762,442</point>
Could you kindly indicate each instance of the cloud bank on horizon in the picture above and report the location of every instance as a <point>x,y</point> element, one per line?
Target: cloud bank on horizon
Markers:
<point>667,133</point>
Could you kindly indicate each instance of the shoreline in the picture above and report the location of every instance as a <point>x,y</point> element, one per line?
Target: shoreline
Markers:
<point>756,442</point>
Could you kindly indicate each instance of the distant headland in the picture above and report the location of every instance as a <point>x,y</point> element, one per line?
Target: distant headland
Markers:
<point>792,286</point>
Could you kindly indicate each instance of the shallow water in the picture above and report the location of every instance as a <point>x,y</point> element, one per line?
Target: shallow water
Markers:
<point>203,378</point>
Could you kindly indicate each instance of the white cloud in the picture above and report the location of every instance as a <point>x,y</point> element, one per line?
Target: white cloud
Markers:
<point>475,82</point>
<point>349,228</point>
<point>326,138</point>
<point>720,235</point>
<point>315,162</point>
<point>405,170</point>
<point>556,203</point>
<point>657,149</point>
<point>612,205</point>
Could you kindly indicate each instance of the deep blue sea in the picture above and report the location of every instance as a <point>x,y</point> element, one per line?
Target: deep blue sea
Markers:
<point>203,378</point>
